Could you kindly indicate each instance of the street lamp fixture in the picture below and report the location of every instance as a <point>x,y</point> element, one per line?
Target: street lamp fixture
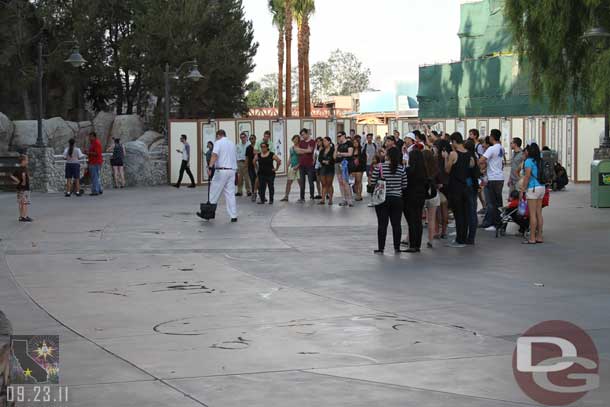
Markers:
<point>75,59</point>
<point>194,75</point>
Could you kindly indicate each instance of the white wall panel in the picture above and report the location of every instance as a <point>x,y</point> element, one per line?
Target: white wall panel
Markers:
<point>176,130</point>
<point>589,133</point>
<point>229,127</point>
<point>260,127</point>
<point>321,128</point>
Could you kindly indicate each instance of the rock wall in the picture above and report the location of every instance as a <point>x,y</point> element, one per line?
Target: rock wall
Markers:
<point>145,159</point>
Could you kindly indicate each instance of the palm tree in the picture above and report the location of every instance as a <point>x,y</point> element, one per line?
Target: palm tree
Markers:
<point>279,20</point>
<point>288,33</point>
<point>303,9</point>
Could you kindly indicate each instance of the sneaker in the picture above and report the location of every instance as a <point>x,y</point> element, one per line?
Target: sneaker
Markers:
<point>284,199</point>
<point>21,219</point>
<point>343,204</point>
<point>67,194</point>
<point>490,229</point>
<point>27,219</point>
<point>301,201</point>
<point>238,194</point>
<point>371,205</point>
<point>456,245</point>
<point>317,197</point>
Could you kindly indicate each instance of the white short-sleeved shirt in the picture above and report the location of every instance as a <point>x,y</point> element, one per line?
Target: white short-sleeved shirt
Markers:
<point>495,160</point>
<point>227,155</point>
<point>77,154</point>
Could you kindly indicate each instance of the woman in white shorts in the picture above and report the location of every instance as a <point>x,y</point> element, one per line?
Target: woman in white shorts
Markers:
<point>431,205</point>
<point>534,192</point>
<point>293,169</point>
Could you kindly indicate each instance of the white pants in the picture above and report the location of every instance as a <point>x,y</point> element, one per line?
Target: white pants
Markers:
<point>224,180</point>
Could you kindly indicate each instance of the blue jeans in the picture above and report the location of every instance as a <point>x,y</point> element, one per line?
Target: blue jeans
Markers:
<point>473,219</point>
<point>94,172</point>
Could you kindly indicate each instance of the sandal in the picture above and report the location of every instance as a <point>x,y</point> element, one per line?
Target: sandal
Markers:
<point>321,203</point>
<point>527,242</point>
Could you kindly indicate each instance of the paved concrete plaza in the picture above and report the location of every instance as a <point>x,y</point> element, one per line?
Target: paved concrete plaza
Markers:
<point>289,307</point>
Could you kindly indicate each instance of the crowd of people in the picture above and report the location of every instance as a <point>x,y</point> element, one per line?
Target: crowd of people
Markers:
<point>428,177</point>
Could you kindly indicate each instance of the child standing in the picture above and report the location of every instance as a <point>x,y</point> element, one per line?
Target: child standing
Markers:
<point>22,180</point>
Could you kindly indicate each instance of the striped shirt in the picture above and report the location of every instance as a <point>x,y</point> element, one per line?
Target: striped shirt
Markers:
<point>394,183</point>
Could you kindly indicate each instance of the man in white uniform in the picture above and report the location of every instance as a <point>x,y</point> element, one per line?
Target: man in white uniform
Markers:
<point>224,161</point>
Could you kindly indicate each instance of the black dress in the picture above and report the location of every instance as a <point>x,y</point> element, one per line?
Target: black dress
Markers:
<point>266,176</point>
<point>327,170</point>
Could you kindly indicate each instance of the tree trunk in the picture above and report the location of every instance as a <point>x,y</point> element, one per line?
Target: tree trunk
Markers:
<point>280,73</point>
<point>306,83</point>
<point>301,83</point>
<point>288,32</point>
<point>27,104</point>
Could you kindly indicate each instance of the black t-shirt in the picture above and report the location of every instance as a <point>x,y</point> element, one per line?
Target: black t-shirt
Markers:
<point>327,157</point>
<point>265,165</point>
<point>250,155</point>
<point>399,144</point>
<point>19,175</point>
<point>343,148</point>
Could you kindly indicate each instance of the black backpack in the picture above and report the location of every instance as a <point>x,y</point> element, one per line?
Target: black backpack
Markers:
<point>546,167</point>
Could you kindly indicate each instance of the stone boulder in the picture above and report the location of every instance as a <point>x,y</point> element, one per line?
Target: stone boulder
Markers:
<point>55,132</point>
<point>59,132</point>
<point>151,138</point>
<point>127,128</point>
<point>7,129</point>
<point>102,125</point>
<point>25,135</point>
<point>136,162</point>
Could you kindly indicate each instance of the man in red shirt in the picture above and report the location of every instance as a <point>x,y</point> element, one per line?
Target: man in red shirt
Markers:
<point>306,165</point>
<point>96,160</point>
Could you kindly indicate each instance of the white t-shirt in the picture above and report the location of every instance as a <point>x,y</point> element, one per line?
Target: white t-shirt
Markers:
<point>227,155</point>
<point>77,154</point>
<point>495,160</point>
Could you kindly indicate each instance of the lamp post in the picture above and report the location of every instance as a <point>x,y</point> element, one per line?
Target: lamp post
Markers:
<point>75,59</point>
<point>599,37</point>
<point>194,75</point>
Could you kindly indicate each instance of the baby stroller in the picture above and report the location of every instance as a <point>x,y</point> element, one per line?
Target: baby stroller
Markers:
<point>511,214</point>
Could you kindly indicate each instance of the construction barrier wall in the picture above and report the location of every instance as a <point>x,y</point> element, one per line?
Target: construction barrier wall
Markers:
<point>199,132</point>
<point>573,137</point>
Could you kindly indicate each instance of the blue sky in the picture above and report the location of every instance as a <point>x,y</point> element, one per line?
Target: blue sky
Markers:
<point>391,37</point>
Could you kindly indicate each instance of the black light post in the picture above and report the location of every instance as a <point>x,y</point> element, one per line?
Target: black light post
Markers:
<point>194,75</point>
<point>75,59</point>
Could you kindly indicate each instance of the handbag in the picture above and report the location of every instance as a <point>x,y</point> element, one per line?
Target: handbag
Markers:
<point>546,198</point>
<point>207,210</point>
<point>379,192</point>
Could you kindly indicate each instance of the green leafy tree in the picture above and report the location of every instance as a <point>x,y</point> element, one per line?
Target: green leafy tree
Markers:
<point>341,75</point>
<point>563,67</point>
<point>19,27</point>
<point>126,44</point>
